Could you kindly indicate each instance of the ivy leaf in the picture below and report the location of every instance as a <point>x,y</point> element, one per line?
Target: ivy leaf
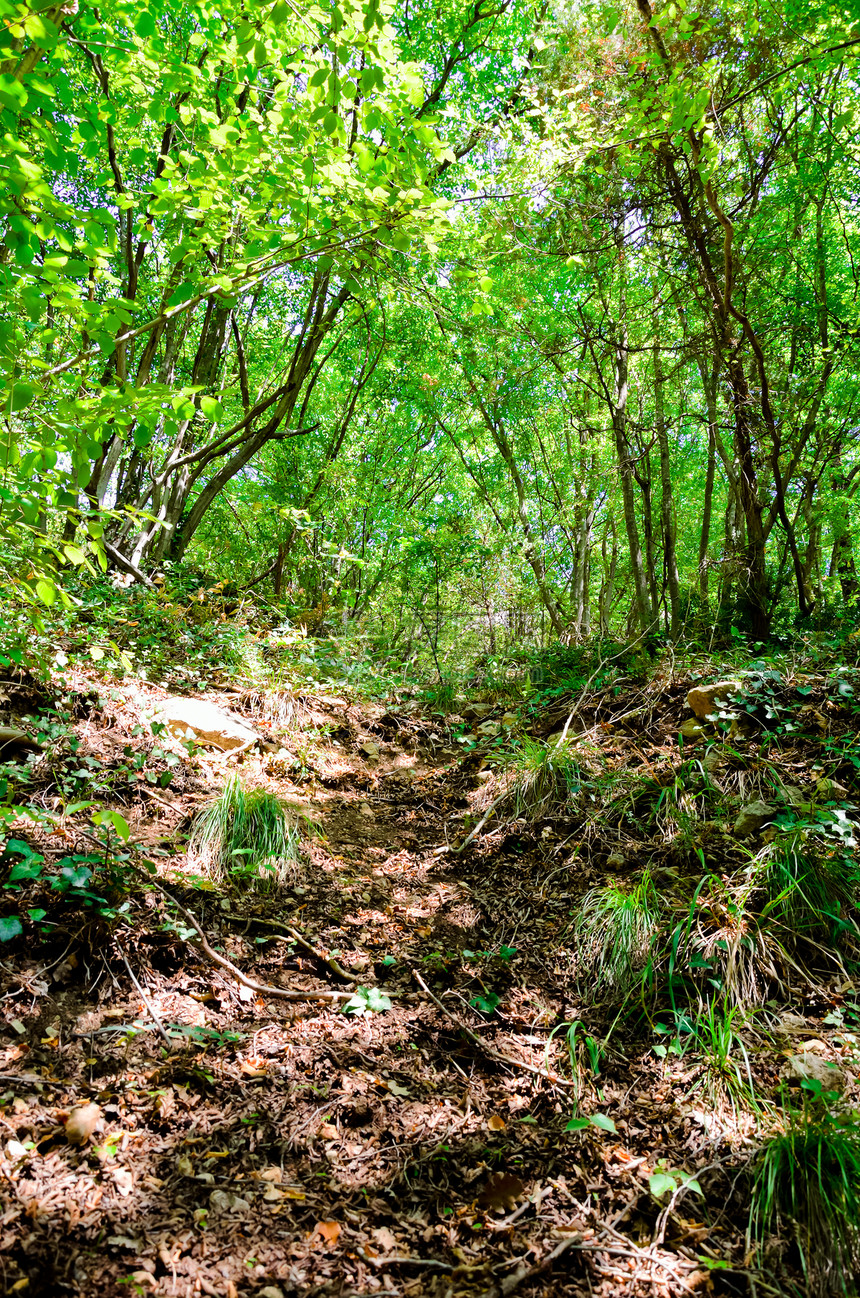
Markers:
<point>10,926</point>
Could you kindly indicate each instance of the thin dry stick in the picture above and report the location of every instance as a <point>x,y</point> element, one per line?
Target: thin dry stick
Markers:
<point>488,1050</point>
<point>329,961</point>
<point>148,1003</point>
<point>482,822</point>
<point>282,993</point>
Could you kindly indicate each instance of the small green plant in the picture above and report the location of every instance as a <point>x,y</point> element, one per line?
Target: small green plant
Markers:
<point>367,1000</point>
<point>806,1184</point>
<point>618,931</point>
<point>726,1075</point>
<point>545,777</point>
<point>585,1052</point>
<point>250,835</point>
<point>809,894</point>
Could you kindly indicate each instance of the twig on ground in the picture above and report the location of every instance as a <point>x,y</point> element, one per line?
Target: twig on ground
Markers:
<point>265,989</point>
<point>488,1050</point>
<point>153,1013</point>
<point>332,964</point>
<point>482,822</point>
<point>524,1273</point>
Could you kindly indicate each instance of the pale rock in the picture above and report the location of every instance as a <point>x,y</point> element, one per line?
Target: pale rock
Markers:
<point>206,724</point>
<point>702,700</point>
<point>473,711</point>
<point>692,730</point>
<point>751,818</point>
<point>810,1067</point>
<point>831,789</point>
<point>82,1123</point>
<point>370,749</point>
<point>615,861</point>
<point>366,810</point>
<point>489,728</point>
<point>509,720</point>
<point>712,760</point>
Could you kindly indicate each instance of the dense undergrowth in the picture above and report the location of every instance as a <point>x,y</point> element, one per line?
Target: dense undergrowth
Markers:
<point>689,937</point>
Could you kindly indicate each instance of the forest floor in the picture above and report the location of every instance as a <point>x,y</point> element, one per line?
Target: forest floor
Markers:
<point>281,1147</point>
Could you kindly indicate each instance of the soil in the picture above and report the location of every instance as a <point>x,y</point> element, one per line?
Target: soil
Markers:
<point>286,1147</point>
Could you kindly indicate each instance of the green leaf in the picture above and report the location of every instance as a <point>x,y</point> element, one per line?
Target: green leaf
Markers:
<point>211,408</point>
<point>602,1121</point>
<point>115,820</point>
<point>10,926</point>
<point>486,1004</point>
<point>578,1124</point>
<point>20,397</point>
<point>661,1183</point>
<point>145,24</point>
<point>29,869</point>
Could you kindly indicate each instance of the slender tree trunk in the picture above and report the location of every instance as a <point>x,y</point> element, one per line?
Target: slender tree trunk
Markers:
<point>667,512</point>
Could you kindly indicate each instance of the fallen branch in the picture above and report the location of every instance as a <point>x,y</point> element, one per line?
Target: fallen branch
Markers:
<point>328,961</point>
<point>148,1003</point>
<point>488,1050</point>
<point>264,989</point>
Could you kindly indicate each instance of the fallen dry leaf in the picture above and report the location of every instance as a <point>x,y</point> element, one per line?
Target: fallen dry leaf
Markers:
<point>496,1123</point>
<point>384,1238</point>
<point>327,1232</point>
<point>501,1191</point>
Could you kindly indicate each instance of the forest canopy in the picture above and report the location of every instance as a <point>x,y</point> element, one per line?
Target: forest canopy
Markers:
<point>460,324</point>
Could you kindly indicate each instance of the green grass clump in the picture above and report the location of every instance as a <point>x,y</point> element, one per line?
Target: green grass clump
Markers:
<point>618,931</point>
<point>727,1079</point>
<point>545,776</point>
<point>810,896</point>
<point>807,1188</point>
<point>251,835</point>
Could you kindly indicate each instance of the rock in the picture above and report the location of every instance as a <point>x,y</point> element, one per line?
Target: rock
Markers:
<point>12,739</point>
<point>509,720</point>
<point>691,730</point>
<point>83,1123</point>
<point>810,1067</point>
<point>370,749</point>
<point>615,861</point>
<point>712,760</point>
<point>831,789</point>
<point>489,728</point>
<point>366,810</point>
<point>751,818</point>
<point>473,711</point>
<point>703,699</point>
<point>204,723</point>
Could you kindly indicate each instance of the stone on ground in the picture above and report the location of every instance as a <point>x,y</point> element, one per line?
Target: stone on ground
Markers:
<point>703,699</point>
<point>205,723</point>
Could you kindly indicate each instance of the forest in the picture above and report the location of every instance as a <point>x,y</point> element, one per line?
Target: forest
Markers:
<point>430,648</point>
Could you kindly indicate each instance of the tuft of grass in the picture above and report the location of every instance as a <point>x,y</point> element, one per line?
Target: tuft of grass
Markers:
<point>806,1186</point>
<point>544,778</point>
<point>250,834</point>
<point>727,1079</point>
<point>618,931</point>
<point>811,896</point>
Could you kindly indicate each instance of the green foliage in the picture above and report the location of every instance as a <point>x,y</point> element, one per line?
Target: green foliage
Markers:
<point>617,932</point>
<point>544,777</point>
<point>809,894</point>
<point>250,836</point>
<point>806,1184</point>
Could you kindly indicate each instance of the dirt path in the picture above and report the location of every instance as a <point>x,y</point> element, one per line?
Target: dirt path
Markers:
<point>281,1148</point>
